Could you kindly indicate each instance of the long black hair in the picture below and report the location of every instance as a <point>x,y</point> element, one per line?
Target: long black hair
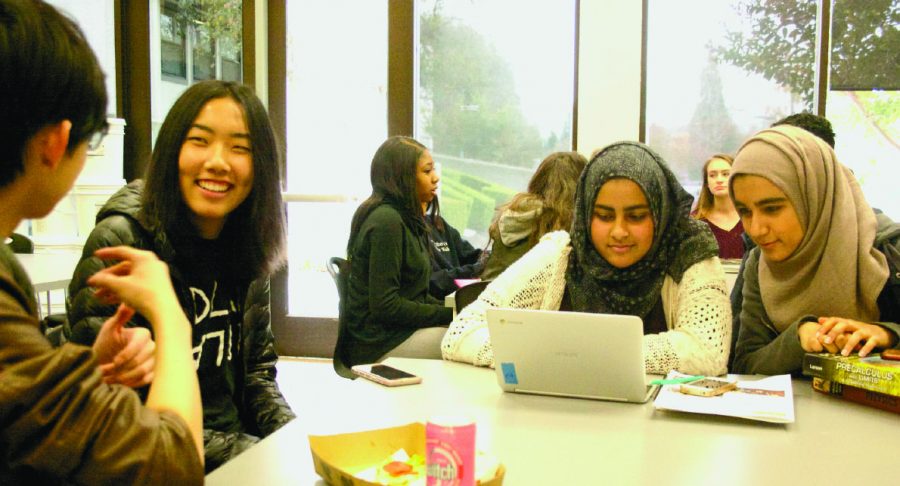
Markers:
<point>393,178</point>
<point>255,230</point>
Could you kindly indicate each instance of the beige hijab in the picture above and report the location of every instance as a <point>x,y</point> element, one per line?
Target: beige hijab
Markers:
<point>834,271</point>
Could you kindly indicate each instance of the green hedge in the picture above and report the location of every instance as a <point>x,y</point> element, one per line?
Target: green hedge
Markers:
<point>455,209</point>
<point>482,206</point>
<point>468,201</point>
<point>500,194</point>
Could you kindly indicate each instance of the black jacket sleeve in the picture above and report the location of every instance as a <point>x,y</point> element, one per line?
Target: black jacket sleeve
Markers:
<point>463,261</point>
<point>85,313</point>
<point>264,404</point>
<point>389,241</point>
<point>221,447</point>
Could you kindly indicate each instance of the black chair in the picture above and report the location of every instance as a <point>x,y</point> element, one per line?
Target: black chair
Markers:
<point>19,243</point>
<point>467,294</point>
<point>52,324</point>
<point>339,269</point>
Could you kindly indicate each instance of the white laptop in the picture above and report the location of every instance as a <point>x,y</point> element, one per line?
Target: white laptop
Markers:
<point>571,354</point>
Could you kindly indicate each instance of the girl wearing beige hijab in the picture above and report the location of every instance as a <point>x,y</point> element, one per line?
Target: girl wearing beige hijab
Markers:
<point>819,277</point>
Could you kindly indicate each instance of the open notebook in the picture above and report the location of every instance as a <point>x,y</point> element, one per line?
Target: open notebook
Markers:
<point>572,354</point>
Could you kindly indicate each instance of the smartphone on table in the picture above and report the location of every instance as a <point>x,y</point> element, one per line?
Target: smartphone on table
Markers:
<point>386,375</point>
<point>708,387</point>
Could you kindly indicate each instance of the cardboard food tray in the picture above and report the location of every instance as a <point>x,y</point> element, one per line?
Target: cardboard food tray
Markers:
<point>338,457</point>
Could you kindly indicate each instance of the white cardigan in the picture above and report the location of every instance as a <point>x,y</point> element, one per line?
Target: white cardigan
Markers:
<point>698,313</point>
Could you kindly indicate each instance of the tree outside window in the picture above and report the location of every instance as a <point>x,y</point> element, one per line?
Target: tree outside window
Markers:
<point>863,104</point>
<point>204,34</point>
<point>493,99</point>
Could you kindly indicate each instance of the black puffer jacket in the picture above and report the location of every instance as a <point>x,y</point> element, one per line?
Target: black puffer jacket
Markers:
<point>262,407</point>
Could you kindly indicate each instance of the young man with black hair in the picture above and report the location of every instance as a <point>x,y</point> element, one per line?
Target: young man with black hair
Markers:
<point>815,124</point>
<point>67,413</point>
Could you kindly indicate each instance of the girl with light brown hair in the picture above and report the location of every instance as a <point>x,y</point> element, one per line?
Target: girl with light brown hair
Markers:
<point>714,207</point>
<point>547,206</point>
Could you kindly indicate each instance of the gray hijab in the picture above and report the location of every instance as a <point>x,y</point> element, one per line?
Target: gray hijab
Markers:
<point>679,241</point>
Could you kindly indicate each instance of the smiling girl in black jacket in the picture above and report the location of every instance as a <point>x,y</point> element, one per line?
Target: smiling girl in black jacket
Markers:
<point>211,209</point>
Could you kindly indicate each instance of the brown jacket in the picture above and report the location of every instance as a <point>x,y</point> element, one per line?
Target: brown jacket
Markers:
<point>61,423</point>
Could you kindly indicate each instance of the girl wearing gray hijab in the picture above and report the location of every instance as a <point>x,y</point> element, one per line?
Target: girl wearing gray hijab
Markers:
<point>825,275</point>
<point>634,250</point>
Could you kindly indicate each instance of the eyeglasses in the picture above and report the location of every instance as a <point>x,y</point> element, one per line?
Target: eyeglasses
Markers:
<point>97,138</point>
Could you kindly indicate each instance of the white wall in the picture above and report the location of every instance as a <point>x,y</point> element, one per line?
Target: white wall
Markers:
<point>97,20</point>
<point>609,77</point>
<point>66,227</point>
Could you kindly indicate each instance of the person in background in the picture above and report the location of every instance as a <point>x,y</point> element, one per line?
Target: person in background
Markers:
<point>819,278</point>
<point>546,206</point>
<point>451,256</point>
<point>67,417</point>
<point>815,124</point>
<point>387,299</point>
<point>818,126</point>
<point>211,208</point>
<point>634,250</point>
<point>714,207</point>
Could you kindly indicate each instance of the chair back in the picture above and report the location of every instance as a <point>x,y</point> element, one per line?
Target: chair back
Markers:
<point>20,243</point>
<point>52,326</point>
<point>467,294</point>
<point>339,269</point>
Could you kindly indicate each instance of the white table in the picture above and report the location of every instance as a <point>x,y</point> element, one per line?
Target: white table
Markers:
<point>548,440</point>
<point>49,271</point>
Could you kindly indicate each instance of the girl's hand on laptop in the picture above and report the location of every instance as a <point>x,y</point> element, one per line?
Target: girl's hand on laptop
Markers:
<point>126,355</point>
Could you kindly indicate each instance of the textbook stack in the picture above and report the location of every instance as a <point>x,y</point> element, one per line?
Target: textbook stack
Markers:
<point>858,395</point>
<point>871,380</point>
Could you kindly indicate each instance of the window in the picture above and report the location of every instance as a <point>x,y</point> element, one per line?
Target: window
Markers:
<point>742,64</point>
<point>723,72</point>
<point>863,101</point>
<point>172,44</point>
<point>203,52</point>
<point>506,112</point>
<point>196,40</point>
<point>494,98</point>
<point>230,58</point>
<point>336,119</point>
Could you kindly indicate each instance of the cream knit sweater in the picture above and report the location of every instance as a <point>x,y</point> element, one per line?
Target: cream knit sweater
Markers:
<point>698,313</point>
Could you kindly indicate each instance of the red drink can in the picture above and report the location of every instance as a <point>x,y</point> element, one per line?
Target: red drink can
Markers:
<point>450,452</point>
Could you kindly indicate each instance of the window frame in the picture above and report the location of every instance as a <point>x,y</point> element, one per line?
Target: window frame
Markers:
<point>821,64</point>
<point>169,11</point>
<point>133,74</point>
<point>316,336</point>
<point>308,336</point>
